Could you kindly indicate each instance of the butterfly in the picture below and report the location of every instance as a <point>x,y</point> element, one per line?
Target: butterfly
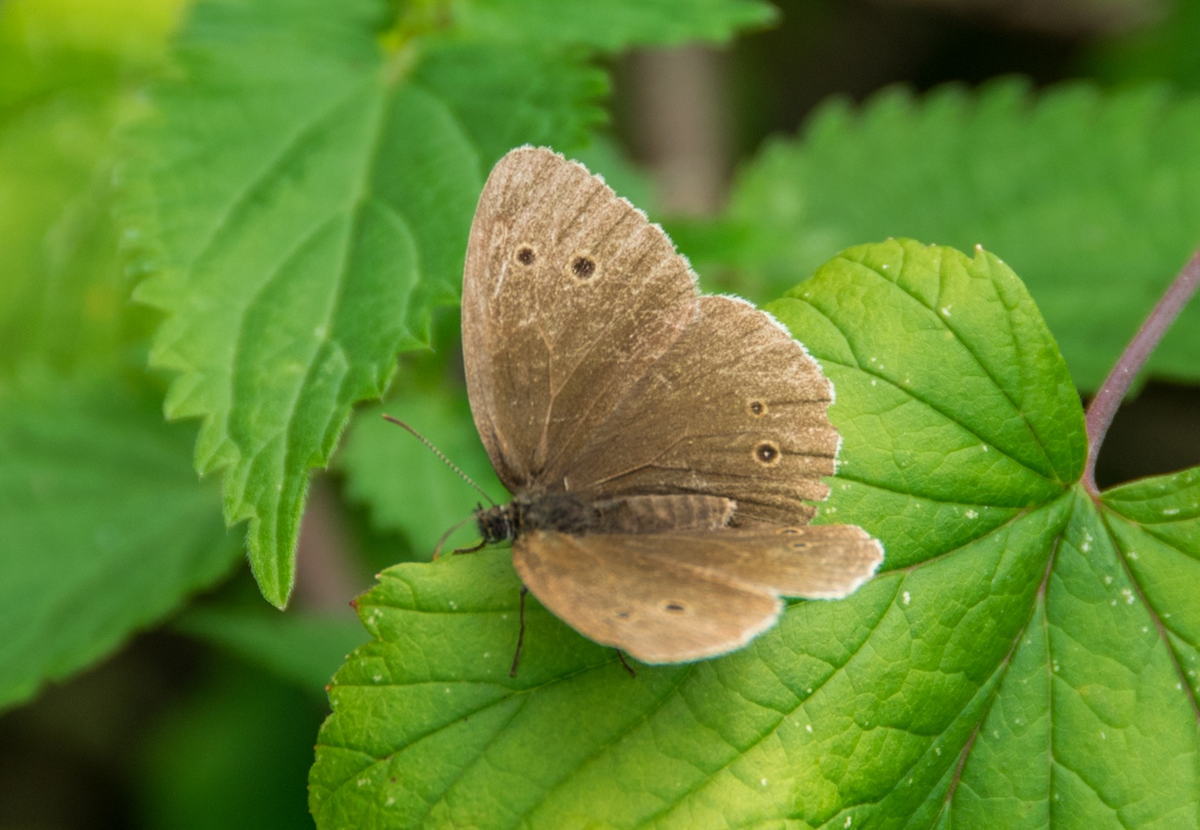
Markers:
<point>662,447</point>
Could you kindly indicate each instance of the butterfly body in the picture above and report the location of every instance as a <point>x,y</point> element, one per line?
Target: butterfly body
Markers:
<point>663,448</point>
<point>580,515</point>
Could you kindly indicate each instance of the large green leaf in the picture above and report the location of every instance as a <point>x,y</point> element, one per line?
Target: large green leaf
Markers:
<point>1013,662</point>
<point>105,527</point>
<point>1089,196</point>
<point>311,200</point>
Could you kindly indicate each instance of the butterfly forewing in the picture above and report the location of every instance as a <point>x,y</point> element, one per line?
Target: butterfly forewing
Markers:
<point>569,294</point>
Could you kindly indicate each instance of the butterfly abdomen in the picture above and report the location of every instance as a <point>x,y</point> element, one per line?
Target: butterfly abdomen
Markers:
<point>582,515</point>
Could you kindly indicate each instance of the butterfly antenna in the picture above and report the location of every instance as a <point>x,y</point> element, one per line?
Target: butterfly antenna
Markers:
<point>437,549</point>
<point>439,454</point>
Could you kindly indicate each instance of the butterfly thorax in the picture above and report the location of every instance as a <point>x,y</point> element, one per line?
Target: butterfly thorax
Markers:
<point>581,514</point>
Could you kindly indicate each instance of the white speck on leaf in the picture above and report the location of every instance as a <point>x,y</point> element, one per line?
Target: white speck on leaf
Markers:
<point>763,781</point>
<point>1128,594</point>
<point>1133,554</point>
<point>907,598</point>
<point>1170,511</point>
<point>946,311</point>
<point>972,514</point>
<point>808,727</point>
<point>849,821</point>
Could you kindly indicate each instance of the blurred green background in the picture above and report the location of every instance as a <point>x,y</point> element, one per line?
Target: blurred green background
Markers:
<point>209,721</point>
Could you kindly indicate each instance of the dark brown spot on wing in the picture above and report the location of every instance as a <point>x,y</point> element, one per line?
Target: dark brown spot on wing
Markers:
<point>526,255</point>
<point>583,267</point>
<point>767,453</point>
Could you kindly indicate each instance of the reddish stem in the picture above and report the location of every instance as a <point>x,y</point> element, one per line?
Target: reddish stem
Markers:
<point>1104,406</point>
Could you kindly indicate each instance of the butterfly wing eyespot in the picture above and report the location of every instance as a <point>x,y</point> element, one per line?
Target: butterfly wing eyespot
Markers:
<point>526,255</point>
<point>583,267</point>
<point>757,408</point>
<point>767,453</point>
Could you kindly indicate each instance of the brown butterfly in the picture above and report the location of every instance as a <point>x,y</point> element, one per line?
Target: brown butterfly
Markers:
<point>661,446</point>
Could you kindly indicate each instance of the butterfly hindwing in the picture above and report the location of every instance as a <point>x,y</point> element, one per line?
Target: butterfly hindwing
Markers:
<point>674,597</point>
<point>735,408</point>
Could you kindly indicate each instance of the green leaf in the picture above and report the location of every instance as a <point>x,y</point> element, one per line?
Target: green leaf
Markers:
<point>407,487</point>
<point>232,753</point>
<point>105,528</point>
<point>611,25</point>
<point>1022,659</point>
<point>303,649</point>
<point>64,79</point>
<point>308,198</point>
<point>1090,196</point>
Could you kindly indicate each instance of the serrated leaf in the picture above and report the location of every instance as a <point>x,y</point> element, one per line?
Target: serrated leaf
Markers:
<point>407,487</point>
<point>1011,665</point>
<point>611,25</point>
<point>1088,194</point>
<point>105,528</point>
<point>312,195</point>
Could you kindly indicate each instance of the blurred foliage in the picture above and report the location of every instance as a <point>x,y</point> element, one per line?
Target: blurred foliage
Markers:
<point>291,182</point>
<point>1055,181</point>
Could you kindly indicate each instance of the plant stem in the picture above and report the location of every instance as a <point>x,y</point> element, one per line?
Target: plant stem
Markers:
<point>1104,405</point>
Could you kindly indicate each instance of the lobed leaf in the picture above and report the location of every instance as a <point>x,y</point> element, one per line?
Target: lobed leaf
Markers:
<point>1088,194</point>
<point>1012,665</point>
<point>106,529</point>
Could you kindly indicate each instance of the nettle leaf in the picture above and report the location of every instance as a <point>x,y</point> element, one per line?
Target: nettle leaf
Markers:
<point>1012,663</point>
<point>310,196</point>
<point>1088,194</point>
<point>408,488</point>
<point>106,528</point>
<point>611,25</point>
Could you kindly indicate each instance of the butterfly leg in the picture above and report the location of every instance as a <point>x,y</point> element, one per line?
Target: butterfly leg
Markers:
<point>520,635</point>
<point>628,668</point>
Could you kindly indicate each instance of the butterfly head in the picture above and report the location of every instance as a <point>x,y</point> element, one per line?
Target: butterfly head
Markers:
<point>496,523</point>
